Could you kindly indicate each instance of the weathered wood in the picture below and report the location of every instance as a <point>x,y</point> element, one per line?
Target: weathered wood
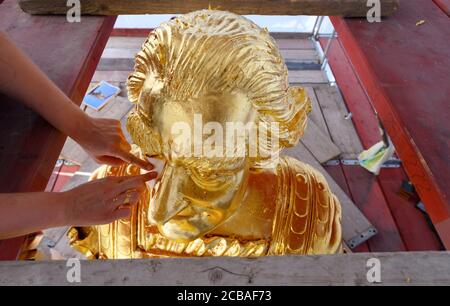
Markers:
<point>347,8</point>
<point>355,226</point>
<point>316,114</point>
<point>428,268</point>
<point>319,144</point>
<point>307,77</point>
<point>292,43</point>
<point>340,125</point>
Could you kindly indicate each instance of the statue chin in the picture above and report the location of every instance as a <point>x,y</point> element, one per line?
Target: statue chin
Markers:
<point>222,68</point>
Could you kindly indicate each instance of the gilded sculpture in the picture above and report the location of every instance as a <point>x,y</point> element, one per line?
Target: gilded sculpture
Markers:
<point>223,68</point>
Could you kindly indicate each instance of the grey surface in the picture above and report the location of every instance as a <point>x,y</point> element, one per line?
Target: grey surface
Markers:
<point>428,268</point>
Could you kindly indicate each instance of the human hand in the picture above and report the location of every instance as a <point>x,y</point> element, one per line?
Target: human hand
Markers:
<point>104,201</point>
<point>103,139</point>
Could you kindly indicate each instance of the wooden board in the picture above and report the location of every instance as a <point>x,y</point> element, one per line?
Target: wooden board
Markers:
<point>341,129</point>
<point>295,44</point>
<point>404,69</point>
<point>363,186</point>
<point>319,144</point>
<point>370,199</point>
<point>348,8</point>
<point>306,77</point>
<point>338,176</point>
<point>30,146</point>
<point>356,228</point>
<point>417,232</point>
<point>316,114</point>
<point>430,269</point>
<point>356,99</point>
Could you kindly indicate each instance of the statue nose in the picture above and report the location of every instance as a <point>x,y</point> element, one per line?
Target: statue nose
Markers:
<point>167,199</point>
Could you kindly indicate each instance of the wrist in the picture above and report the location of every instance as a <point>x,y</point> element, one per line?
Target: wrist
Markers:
<point>64,209</point>
<point>80,127</point>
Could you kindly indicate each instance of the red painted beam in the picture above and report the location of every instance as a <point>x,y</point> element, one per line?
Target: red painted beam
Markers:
<point>444,5</point>
<point>404,69</point>
<point>411,222</point>
<point>68,53</point>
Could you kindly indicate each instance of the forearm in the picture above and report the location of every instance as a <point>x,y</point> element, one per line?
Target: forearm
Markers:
<point>23,80</point>
<point>25,213</point>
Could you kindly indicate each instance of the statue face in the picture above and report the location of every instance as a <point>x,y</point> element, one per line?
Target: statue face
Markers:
<point>224,68</point>
<point>191,200</point>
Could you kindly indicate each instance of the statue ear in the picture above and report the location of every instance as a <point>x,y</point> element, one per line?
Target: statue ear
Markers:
<point>300,106</point>
<point>142,135</point>
<point>145,63</point>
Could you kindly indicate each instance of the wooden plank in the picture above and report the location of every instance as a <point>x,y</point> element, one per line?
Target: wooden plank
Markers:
<point>388,65</point>
<point>337,173</point>
<point>370,199</point>
<point>286,44</point>
<point>307,77</point>
<point>111,76</point>
<point>341,129</point>
<point>428,268</point>
<point>356,228</point>
<point>30,146</point>
<point>319,144</point>
<point>348,8</point>
<point>300,55</point>
<point>416,232</point>
<point>316,114</point>
<point>364,117</point>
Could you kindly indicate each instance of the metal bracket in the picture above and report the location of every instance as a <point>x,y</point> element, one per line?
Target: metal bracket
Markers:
<point>391,163</point>
<point>332,162</point>
<point>363,237</point>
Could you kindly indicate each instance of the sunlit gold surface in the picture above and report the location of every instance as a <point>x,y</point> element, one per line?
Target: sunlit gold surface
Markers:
<point>227,69</point>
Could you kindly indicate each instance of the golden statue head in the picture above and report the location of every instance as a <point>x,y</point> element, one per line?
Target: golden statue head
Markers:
<point>221,68</point>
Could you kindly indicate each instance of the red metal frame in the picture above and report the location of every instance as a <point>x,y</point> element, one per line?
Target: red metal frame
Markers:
<point>444,5</point>
<point>404,67</point>
<point>398,213</point>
